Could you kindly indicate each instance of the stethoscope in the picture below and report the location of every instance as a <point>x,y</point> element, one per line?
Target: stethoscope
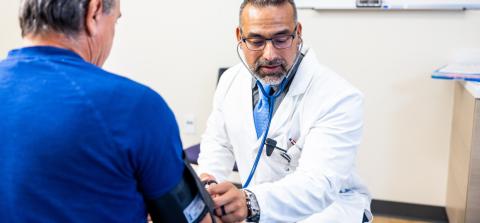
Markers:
<point>271,100</point>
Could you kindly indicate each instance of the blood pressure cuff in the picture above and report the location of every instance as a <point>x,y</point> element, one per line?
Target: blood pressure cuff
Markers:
<point>187,202</point>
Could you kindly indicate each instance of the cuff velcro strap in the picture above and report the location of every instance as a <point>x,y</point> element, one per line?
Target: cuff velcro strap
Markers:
<point>187,202</point>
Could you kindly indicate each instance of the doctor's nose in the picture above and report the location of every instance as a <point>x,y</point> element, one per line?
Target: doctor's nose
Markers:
<point>270,52</point>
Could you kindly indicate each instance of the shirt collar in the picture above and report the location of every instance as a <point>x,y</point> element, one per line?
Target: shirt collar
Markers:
<point>44,51</point>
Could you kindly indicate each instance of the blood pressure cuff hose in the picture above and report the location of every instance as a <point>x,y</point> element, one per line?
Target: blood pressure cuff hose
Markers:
<point>187,202</point>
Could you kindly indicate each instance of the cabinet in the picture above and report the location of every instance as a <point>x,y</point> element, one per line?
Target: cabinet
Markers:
<point>463,187</point>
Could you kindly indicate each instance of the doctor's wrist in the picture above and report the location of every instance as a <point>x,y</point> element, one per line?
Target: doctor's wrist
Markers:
<point>252,206</point>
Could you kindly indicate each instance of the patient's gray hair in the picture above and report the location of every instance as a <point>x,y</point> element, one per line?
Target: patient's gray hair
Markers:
<point>61,16</point>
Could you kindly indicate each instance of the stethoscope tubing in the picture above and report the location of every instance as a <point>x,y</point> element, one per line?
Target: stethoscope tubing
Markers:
<point>271,100</point>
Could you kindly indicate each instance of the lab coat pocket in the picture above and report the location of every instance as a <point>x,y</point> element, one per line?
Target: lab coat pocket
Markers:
<point>286,161</point>
<point>281,160</point>
<point>294,153</point>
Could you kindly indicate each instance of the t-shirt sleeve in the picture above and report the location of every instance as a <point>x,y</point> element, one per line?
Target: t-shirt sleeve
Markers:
<point>157,159</point>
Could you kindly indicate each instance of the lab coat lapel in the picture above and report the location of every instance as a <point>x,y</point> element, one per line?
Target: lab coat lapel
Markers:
<point>298,87</point>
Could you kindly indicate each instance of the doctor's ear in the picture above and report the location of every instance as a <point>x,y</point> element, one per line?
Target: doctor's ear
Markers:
<point>300,43</point>
<point>240,45</point>
<point>299,29</point>
<point>238,34</point>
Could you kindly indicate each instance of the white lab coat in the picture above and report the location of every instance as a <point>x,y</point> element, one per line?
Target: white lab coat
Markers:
<point>323,113</point>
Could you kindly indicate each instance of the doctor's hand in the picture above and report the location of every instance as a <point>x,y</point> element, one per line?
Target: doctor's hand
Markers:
<point>208,219</point>
<point>206,177</point>
<point>232,199</point>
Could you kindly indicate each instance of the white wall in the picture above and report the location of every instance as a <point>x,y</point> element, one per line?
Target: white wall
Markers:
<point>10,36</point>
<point>389,56</point>
<point>177,48</point>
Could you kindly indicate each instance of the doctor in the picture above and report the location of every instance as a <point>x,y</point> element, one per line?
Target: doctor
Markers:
<point>305,173</point>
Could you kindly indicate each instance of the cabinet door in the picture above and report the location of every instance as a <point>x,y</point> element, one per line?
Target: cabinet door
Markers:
<point>460,147</point>
<point>473,196</point>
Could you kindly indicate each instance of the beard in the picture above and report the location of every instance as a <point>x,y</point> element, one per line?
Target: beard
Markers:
<point>270,77</point>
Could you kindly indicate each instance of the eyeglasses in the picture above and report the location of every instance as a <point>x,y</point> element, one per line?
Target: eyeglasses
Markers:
<point>279,42</point>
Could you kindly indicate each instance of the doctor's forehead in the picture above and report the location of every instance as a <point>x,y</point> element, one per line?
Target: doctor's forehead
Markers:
<point>267,19</point>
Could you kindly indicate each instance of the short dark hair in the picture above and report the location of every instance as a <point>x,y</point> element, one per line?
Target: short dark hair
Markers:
<point>263,3</point>
<point>61,16</point>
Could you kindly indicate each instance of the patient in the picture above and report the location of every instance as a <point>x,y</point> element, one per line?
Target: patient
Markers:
<point>80,144</point>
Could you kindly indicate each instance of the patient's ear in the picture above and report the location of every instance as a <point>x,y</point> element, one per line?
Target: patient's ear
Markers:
<point>92,16</point>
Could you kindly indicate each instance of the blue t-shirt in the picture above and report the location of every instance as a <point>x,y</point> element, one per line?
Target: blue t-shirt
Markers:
<point>79,144</point>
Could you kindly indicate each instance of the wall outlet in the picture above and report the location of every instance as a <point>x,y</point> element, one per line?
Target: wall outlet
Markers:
<point>189,124</point>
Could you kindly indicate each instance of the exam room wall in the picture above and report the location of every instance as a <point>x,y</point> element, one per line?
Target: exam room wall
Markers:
<point>176,49</point>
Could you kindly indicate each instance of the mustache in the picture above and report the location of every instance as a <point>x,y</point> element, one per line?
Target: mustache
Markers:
<point>275,62</point>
